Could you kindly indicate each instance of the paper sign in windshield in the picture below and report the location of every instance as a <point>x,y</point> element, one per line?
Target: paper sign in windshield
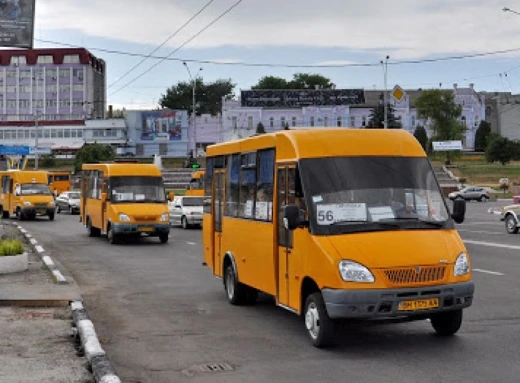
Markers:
<point>328,214</point>
<point>380,213</point>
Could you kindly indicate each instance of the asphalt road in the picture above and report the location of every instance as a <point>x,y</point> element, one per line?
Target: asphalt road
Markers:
<point>159,313</point>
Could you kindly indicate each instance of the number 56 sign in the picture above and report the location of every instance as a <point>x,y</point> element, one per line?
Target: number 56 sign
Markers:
<point>327,214</point>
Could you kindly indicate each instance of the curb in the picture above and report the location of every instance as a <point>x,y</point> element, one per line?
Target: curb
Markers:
<point>46,259</point>
<point>101,367</point>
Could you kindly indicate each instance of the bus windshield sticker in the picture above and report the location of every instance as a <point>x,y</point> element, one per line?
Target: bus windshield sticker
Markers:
<point>328,214</point>
<point>380,213</point>
<point>317,199</point>
<point>140,197</point>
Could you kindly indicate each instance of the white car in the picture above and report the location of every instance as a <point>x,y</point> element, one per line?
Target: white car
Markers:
<point>68,201</point>
<point>186,211</point>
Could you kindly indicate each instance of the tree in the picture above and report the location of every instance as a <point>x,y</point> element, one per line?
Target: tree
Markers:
<point>299,81</point>
<point>421,136</point>
<point>208,96</point>
<point>48,161</point>
<point>481,137</point>
<point>438,107</point>
<point>499,150</point>
<point>377,117</point>
<point>92,153</point>
<point>260,128</point>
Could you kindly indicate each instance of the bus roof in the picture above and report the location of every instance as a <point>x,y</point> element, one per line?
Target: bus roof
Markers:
<point>125,169</point>
<point>27,175</point>
<point>327,142</point>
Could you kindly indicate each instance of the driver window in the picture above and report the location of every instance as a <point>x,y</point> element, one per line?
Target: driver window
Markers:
<point>18,190</point>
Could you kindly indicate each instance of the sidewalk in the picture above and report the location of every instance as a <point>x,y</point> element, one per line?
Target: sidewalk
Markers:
<point>35,320</point>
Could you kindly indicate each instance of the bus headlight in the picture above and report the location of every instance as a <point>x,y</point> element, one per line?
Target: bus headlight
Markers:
<point>354,272</point>
<point>52,204</point>
<point>461,265</point>
<point>27,203</point>
<point>124,218</point>
<point>165,217</point>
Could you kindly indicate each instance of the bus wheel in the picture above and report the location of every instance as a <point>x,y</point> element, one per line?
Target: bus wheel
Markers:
<point>5,214</point>
<point>321,329</point>
<point>92,231</point>
<point>19,215</point>
<point>51,217</point>
<point>236,291</point>
<point>112,237</point>
<point>447,323</point>
<point>163,238</point>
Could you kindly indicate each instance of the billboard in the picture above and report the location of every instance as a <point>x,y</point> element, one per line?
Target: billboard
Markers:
<point>161,124</point>
<point>17,23</point>
<point>14,150</point>
<point>443,146</point>
<point>301,98</point>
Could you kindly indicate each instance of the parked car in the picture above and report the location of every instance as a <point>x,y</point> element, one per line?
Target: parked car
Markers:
<point>186,211</point>
<point>68,201</point>
<point>471,194</point>
<point>510,215</point>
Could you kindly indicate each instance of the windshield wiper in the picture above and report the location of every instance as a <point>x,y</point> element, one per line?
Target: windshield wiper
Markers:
<point>346,222</point>
<point>436,224</point>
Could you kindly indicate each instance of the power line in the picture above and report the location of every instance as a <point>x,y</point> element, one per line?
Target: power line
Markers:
<point>163,43</point>
<point>272,65</point>
<point>180,47</point>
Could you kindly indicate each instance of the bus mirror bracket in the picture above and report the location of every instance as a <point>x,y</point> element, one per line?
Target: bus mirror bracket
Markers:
<point>104,197</point>
<point>291,218</point>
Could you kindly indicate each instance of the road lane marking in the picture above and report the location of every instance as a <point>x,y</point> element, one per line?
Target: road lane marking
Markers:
<point>488,272</point>
<point>481,232</point>
<point>191,243</point>
<point>491,244</point>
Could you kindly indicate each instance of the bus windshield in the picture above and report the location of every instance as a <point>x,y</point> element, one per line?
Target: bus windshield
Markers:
<point>34,189</point>
<point>355,194</point>
<point>133,189</point>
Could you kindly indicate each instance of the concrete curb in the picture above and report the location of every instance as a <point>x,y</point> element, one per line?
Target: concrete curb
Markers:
<point>46,259</point>
<point>101,367</point>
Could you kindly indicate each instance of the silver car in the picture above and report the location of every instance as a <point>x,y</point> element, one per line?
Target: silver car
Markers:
<point>68,201</point>
<point>471,194</point>
<point>186,211</point>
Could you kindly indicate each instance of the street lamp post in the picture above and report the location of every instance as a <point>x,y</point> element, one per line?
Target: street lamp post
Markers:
<point>194,105</point>
<point>385,70</point>
<point>36,120</point>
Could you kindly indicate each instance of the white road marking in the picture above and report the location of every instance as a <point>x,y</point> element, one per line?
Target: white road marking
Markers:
<point>488,272</point>
<point>480,232</point>
<point>492,244</point>
<point>191,243</point>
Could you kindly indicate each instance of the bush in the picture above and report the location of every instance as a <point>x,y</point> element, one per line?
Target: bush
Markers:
<point>48,162</point>
<point>421,136</point>
<point>93,153</point>
<point>481,137</point>
<point>11,247</point>
<point>500,149</point>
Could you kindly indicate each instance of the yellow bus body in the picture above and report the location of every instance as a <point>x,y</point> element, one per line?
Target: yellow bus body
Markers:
<point>258,252</point>
<point>16,198</point>
<point>120,199</point>
<point>59,182</point>
<point>196,188</point>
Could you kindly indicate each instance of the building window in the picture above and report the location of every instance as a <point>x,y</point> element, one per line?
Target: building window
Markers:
<point>51,73</point>
<point>339,122</point>
<point>477,121</point>
<point>353,121</point>
<point>250,122</point>
<point>413,122</point>
<point>19,134</point>
<point>293,122</point>
<point>78,88</point>
<point>27,134</point>
<point>64,88</point>
<point>18,60</point>
<point>11,88</point>
<point>64,72</point>
<point>464,121</point>
<point>80,133</point>
<point>271,122</point>
<point>282,122</point>
<point>312,121</point>
<point>46,133</point>
<point>325,121</point>
<point>78,73</point>
<point>53,133</point>
<point>44,59</point>
<point>364,121</point>
<point>71,59</point>
<point>234,122</point>
<point>25,74</point>
<point>66,133</point>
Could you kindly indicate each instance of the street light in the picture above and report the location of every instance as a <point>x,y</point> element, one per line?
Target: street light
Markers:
<point>505,9</point>
<point>385,70</point>
<point>36,118</point>
<point>194,106</point>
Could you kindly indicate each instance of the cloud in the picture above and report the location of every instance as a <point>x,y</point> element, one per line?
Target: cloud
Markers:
<point>405,29</point>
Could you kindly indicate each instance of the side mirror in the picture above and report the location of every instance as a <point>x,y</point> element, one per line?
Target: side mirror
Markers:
<point>104,197</point>
<point>291,220</point>
<point>459,210</point>
<point>178,206</point>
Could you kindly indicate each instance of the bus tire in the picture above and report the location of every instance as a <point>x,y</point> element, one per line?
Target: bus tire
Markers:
<point>236,292</point>
<point>447,323</point>
<point>321,329</point>
<point>5,213</point>
<point>19,215</point>
<point>92,231</point>
<point>163,238</point>
<point>51,217</point>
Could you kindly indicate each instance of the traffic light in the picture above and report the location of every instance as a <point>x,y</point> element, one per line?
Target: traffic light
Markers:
<point>195,166</point>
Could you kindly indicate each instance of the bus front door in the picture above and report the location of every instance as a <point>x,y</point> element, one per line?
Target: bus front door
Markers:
<point>219,183</point>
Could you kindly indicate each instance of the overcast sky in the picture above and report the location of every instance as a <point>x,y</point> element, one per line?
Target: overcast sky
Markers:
<point>292,32</point>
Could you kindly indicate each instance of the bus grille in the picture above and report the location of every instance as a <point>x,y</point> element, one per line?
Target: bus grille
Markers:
<point>41,204</point>
<point>146,218</point>
<point>415,275</point>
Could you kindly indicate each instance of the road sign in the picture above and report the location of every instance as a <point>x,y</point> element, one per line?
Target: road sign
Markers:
<point>398,93</point>
<point>40,150</point>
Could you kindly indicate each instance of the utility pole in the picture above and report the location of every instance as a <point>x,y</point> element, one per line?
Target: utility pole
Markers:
<point>36,117</point>
<point>385,70</point>
<point>194,106</point>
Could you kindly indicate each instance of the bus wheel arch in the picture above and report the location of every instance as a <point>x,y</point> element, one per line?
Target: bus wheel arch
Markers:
<point>238,294</point>
<point>308,287</point>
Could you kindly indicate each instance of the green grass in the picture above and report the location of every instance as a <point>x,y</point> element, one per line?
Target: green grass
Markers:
<point>11,247</point>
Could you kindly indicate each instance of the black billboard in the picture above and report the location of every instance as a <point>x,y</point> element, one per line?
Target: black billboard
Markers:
<point>301,98</point>
<point>17,23</point>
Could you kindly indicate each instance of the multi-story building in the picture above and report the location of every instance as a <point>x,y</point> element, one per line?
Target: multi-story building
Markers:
<point>208,130</point>
<point>503,113</point>
<point>53,84</point>
<point>350,109</point>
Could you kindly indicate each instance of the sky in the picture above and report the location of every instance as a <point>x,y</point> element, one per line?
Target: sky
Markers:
<point>342,33</point>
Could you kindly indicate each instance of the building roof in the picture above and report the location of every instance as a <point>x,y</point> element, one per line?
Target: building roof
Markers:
<point>58,55</point>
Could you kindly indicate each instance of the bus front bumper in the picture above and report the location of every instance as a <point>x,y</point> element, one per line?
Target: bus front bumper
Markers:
<point>38,210</point>
<point>374,304</point>
<point>152,229</point>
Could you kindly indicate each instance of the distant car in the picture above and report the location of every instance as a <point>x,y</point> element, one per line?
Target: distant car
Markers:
<point>471,194</point>
<point>186,211</point>
<point>510,215</point>
<point>68,201</point>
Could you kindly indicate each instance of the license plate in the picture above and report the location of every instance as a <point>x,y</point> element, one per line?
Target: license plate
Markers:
<point>41,211</point>
<point>146,229</point>
<point>424,304</point>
